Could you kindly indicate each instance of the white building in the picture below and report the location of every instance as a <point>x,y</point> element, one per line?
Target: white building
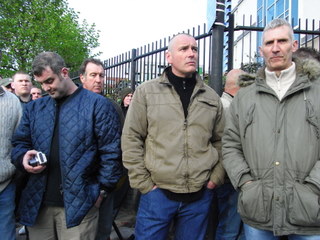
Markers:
<point>257,13</point>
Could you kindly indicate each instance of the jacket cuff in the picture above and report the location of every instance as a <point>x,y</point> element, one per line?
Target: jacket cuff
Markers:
<point>244,178</point>
<point>218,174</point>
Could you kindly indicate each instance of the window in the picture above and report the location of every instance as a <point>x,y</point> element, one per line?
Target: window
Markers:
<point>270,2</point>
<point>270,14</point>
<point>279,7</point>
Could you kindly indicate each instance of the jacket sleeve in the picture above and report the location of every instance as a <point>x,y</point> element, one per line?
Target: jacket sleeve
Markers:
<point>107,130</point>
<point>21,141</point>
<point>218,173</point>
<point>232,152</point>
<point>314,177</point>
<point>133,143</point>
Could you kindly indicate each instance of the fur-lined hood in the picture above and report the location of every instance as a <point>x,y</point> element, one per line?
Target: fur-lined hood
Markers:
<point>307,66</point>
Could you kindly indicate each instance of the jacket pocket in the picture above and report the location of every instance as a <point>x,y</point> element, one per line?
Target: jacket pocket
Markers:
<point>304,206</point>
<point>253,204</point>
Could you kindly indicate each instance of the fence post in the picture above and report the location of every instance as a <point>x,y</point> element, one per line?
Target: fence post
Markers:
<point>230,41</point>
<point>133,69</point>
<point>215,80</point>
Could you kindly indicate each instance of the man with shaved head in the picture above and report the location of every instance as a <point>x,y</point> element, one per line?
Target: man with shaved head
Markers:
<point>171,147</point>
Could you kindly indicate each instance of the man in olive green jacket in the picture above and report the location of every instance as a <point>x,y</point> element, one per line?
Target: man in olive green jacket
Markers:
<point>271,143</point>
<point>171,146</point>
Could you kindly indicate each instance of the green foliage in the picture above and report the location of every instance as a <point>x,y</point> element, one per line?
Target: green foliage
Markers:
<point>28,27</point>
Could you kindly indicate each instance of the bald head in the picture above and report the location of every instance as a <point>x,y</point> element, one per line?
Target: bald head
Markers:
<point>231,85</point>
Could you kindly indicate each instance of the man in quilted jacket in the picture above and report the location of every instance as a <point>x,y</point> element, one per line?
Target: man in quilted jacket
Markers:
<point>79,132</point>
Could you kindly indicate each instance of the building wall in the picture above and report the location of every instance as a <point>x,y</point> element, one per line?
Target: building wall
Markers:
<point>246,44</point>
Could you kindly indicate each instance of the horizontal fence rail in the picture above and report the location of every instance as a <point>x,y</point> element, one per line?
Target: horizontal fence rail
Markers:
<point>241,44</point>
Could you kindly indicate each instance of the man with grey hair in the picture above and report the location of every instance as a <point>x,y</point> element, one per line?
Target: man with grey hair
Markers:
<point>79,133</point>
<point>271,143</point>
<point>171,147</point>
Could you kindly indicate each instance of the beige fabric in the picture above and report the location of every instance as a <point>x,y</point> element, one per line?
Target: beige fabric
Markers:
<point>51,225</point>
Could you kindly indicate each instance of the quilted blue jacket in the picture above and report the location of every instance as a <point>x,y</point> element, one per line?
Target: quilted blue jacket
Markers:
<point>89,139</point>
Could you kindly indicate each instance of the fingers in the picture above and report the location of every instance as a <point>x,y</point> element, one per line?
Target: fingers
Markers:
<point>25,162</point>
<point>211,185</point>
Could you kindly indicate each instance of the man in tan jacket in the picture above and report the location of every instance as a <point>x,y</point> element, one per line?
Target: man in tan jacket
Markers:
<point>171,146</point>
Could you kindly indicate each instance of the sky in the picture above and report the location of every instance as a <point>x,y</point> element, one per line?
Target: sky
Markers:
<point>128,24</point>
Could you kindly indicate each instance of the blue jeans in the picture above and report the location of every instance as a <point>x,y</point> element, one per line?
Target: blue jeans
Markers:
<point>156,212</point>
<point>254,233</point>
<point>230,226</point>
<point>7,219</point>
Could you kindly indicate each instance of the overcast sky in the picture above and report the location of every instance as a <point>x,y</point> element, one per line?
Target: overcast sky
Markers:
<point>127,24</point>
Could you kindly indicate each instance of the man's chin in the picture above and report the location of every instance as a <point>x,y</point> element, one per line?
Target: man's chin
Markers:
<point>97,90</point>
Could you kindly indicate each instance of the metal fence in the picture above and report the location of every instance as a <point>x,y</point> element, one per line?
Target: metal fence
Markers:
<point>147,62</point>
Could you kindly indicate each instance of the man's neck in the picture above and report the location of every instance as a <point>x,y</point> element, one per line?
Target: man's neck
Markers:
<point>25,98</point>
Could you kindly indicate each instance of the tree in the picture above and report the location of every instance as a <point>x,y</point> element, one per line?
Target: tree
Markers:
<point>28,27</point>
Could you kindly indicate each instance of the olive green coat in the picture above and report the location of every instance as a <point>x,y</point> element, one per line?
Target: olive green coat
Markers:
<point>275,144</point>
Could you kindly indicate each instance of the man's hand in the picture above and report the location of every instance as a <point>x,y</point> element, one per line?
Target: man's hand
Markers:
<point>25,162</point>
<point>211,185</point>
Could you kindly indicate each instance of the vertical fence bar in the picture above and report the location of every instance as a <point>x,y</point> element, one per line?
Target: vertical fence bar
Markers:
<point>215,80</point>
<point>230,41</point>
<point>133,69</point>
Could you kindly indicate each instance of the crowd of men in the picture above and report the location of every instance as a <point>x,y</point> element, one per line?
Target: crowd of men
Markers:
<point>253,152</point>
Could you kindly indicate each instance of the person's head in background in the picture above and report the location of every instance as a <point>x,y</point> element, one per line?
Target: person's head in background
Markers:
<point>232,81</point>
<point>36,93</point>
<point>92,75</point>
<point>126,96</point>
<point>6,84</point>
<point>21,83</point>
<point>278,45</point>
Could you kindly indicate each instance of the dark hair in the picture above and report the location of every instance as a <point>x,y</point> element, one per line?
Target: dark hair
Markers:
<point>47,59</point>
<point>307,52</point>
<point>84,64</point>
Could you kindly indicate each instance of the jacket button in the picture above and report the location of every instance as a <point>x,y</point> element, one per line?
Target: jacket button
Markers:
<point>277,163</point>
<point>277,198</point>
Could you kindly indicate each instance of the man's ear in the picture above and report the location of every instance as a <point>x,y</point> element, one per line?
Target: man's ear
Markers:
<point>294,45</point>
<point>82,79</point>
<point>12,85</point>
<point>65,72</point>
<point>169,57</point>
<point>260,51</point>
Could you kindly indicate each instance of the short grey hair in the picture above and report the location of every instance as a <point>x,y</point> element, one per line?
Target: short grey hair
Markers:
<point>278,22</point>
<point>172,40</point>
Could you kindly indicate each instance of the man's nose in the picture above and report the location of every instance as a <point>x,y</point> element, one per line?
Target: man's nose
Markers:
<point>98,78</point>
<point>275,47</point>
<point>45,87</point>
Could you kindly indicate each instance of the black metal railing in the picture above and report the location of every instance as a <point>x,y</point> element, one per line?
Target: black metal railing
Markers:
<point>147,62</point>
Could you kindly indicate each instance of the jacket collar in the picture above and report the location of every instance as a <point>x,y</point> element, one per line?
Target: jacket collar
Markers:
<point>307,70</point>
<point>164,79</point>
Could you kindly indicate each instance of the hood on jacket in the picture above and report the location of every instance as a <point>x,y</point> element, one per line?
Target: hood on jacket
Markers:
<point>304,66</point>
<point>123,93</point>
